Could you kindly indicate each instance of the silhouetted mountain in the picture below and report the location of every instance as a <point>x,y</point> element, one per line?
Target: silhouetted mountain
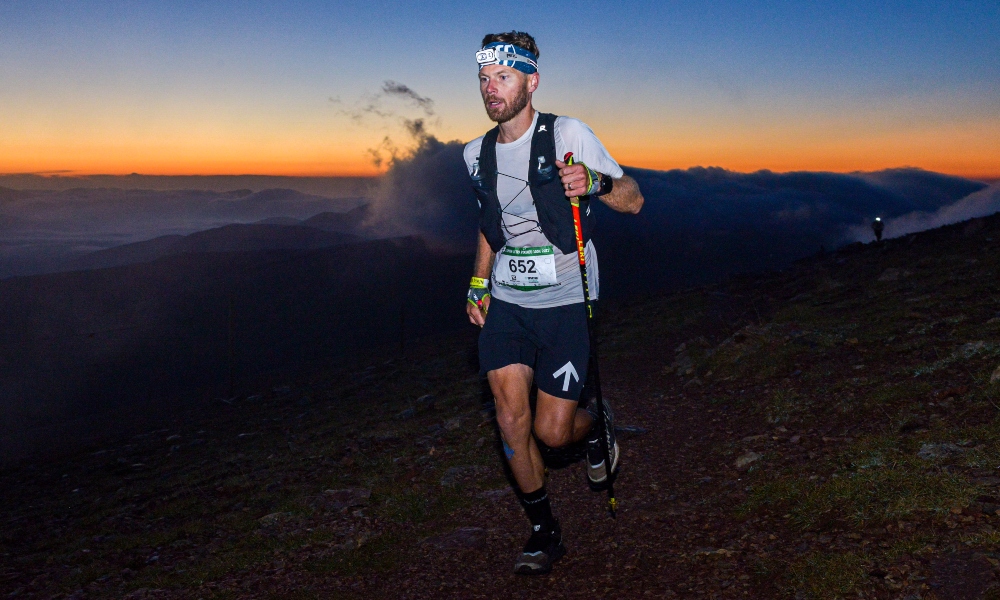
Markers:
<point>44,231</point>
<point>346,222</point>
<point>351,221</point>
<point>279,221</point>
<point>128,254</point>
<point>231,238</point>
<point>333,187</point>
<point>273,203</point>
<point>9,195</point>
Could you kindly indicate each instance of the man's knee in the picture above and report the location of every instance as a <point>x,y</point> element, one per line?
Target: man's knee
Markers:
<point>510,387</point>
<point>513,420</point>
<point>552,434</point>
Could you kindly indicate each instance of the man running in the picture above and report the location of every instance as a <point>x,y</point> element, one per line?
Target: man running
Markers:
<point>527,292</point>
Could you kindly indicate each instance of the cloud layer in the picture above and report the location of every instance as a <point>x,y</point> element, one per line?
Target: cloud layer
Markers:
<point>697,225</point>
<point>978,204</point>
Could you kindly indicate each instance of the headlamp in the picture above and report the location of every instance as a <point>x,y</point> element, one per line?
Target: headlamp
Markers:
<point>491,56</point>
<point>486,56</point>
<point>507,55</point>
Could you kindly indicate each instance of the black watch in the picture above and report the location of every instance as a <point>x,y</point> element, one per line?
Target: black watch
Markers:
<point>607,183</point>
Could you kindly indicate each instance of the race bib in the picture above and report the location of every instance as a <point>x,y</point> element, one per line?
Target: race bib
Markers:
<point>526,269</point>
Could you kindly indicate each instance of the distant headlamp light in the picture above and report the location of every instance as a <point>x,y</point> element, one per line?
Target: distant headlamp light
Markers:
<point>507,55</point>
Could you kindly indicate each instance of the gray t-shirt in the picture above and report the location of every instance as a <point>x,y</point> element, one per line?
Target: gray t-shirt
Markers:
<point>520,219</point>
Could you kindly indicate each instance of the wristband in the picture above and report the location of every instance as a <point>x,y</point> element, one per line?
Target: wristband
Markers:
<point>593,180</point>
<point>479,282</point>
<point>476,296</point>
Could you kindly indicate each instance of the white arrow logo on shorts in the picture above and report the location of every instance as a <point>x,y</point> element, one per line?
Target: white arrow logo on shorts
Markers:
<point>568,371</point>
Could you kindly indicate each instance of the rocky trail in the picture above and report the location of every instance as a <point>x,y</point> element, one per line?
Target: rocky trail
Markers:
<point>828,431</point>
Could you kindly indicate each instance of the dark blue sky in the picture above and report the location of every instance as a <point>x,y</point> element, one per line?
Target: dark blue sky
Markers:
<point>272,87</point>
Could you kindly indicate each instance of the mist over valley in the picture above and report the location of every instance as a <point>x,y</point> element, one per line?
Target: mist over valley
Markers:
<point>44,230</point>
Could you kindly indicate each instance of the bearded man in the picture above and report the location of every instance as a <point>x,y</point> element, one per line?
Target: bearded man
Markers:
<point>527,290</point>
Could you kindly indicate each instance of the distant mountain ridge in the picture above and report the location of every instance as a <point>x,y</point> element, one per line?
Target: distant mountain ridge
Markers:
<point>11,195</point>
<point>114,208</point>
<point>229,238</point>
<point>322,186</point>
<point>50,231</point>
<point>345,222</point>
<point>352,221</point>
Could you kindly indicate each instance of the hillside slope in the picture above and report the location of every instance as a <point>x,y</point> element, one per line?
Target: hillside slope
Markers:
<point>826,431</point>
<point>89,344</point>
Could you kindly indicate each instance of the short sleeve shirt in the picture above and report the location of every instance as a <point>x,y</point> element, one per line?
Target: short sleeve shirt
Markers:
<point>520,218</point>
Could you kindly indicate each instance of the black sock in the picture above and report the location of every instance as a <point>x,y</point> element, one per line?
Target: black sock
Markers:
<point>536,505</point>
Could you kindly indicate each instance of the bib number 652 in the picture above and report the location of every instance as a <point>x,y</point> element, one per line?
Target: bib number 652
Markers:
<point>521,265</point>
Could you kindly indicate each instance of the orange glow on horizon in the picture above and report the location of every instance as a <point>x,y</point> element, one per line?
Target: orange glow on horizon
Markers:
<point>964,152</point>
<point>346,167</point>
<point>779,162</point>
<point>75,161</point>
<point>370,171</point>
<point>968,152</point>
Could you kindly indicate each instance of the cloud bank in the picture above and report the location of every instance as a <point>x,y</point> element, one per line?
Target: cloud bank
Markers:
<point>701,224</point>
<point>697,225</point>
<point>978,204</point>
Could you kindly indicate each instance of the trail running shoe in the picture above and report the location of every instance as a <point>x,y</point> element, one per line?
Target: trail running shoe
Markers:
<point>543,549</point>
<point>597,474</point>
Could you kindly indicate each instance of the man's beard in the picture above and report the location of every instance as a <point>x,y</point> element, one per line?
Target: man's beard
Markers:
<point>507,111</point>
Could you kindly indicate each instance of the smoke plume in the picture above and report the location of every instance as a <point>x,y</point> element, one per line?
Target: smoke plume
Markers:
<point>427,192</point>
<point>399,90</point>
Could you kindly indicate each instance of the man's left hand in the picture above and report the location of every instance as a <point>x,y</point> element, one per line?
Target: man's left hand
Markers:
<point>573,177</point>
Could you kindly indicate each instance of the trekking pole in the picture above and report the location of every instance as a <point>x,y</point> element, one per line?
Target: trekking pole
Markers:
<point>603,423</point>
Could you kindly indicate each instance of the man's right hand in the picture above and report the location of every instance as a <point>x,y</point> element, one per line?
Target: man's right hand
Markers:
<point>477,315</point>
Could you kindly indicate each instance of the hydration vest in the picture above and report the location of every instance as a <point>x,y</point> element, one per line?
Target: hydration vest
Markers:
<point>555,214</point>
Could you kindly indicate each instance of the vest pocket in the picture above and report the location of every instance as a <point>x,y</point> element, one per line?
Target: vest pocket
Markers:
<point>482,193</point>
<point>544,173</point>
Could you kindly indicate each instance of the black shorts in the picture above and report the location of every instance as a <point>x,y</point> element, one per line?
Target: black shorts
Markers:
<point>552,341</point>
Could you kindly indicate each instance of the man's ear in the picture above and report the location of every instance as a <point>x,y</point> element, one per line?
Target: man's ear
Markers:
<point>533,82</point>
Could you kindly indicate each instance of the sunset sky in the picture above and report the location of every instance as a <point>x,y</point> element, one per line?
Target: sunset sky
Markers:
<point>281,88</point>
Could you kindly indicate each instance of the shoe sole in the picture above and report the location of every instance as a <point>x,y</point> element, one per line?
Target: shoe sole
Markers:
<point>559,552</point>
